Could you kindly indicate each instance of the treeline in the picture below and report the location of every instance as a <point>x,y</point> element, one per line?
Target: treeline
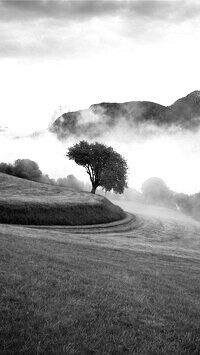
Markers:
<point>153,191</point>
<point>23,168</point>
<point>156,192</point>
<point>29,169</point>
<point>72,182</point>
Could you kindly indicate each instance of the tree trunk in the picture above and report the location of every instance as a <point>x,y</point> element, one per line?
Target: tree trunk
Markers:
<point>93,189</point>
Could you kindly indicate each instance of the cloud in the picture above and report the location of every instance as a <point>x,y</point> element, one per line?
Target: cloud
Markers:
<point>164,11</point>
<point>87,9</point>
<point>47,28</point>
<point>172,157</point>
<point>54,28</point>
<point>58,10</point>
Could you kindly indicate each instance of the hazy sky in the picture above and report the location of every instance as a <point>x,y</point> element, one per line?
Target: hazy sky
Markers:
<point>76,53</point>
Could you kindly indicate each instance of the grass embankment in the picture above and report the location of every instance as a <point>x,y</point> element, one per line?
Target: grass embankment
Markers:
<point>70,298</point>
<point>28,202</point>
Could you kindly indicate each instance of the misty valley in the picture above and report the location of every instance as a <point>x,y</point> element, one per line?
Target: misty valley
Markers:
<point>89,263</point>
<point>99,177</point>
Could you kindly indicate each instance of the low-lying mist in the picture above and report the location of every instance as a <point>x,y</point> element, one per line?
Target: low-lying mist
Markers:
<point>172,155</point>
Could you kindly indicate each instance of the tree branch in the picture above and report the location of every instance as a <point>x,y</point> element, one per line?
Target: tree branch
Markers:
<point>88,170</point>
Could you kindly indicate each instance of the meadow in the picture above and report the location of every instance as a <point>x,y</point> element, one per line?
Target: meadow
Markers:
<point>28,202</point>
<point>125,287</point>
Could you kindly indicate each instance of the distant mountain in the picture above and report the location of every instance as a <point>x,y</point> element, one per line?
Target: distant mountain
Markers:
<point>184,114</point>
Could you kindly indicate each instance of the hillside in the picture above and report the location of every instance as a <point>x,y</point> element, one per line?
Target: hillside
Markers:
<point>27,202</point>
<point>120,288</point>
<point>101,118</point>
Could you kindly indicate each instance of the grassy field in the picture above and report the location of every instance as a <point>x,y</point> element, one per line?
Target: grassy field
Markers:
<point>130,287</point>
<point>28,202</point>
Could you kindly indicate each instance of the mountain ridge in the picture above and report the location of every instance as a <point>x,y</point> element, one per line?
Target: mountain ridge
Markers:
<point>183,114</point>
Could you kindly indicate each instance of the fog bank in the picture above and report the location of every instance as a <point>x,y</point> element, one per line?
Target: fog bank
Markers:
<point>172,156</point>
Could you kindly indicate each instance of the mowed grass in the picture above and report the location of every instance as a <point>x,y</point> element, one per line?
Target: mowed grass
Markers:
<point>126,288</point>
<point>71,298</point>
<point>28,202</point>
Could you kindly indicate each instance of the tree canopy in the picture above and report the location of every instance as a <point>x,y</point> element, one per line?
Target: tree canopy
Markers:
<point>23,168</point>
<point>105,167</point>
<point>71,181</point>
<point>6,168</point>
<point>27,169</point>
<point>155,190</point>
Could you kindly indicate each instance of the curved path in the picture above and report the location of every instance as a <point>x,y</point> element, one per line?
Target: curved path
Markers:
<point>169,233</point>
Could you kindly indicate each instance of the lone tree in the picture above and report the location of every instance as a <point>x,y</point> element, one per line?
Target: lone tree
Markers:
<point>105,167</point>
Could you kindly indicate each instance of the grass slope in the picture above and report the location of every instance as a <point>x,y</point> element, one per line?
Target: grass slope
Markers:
<point>28,202</point>
<point>63,297</point>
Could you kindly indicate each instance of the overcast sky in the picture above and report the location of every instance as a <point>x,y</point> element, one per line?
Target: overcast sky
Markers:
<point>76,53</point>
